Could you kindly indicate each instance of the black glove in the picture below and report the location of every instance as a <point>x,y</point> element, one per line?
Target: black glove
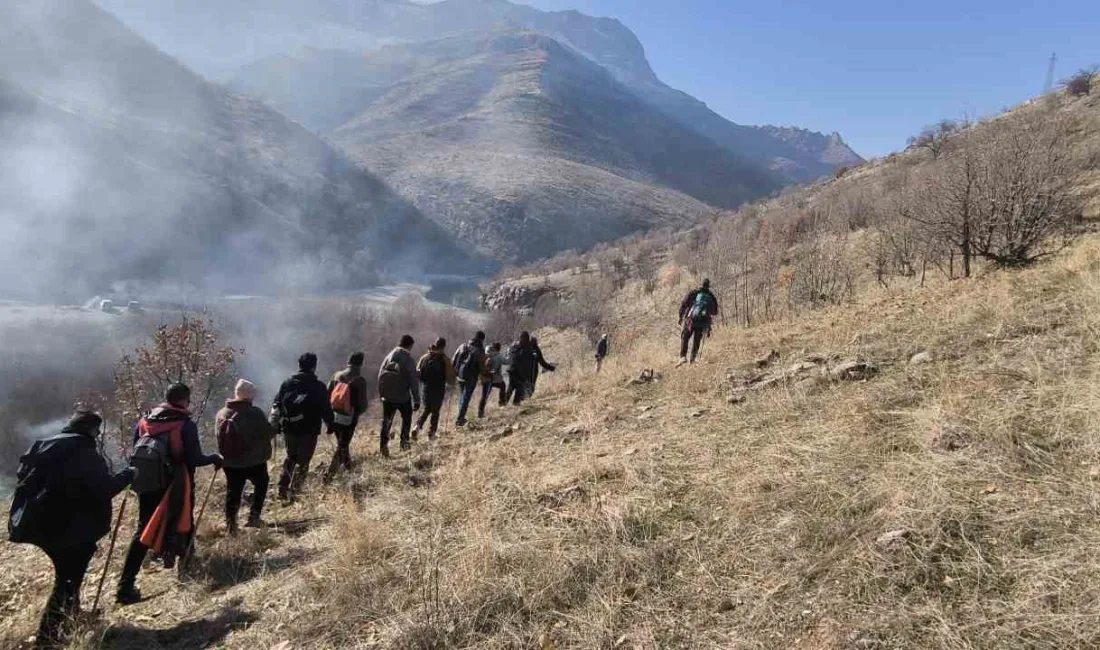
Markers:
<point>217,461</point>
<point>553,368</point>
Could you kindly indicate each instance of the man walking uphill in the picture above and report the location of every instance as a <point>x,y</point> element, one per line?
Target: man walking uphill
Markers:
<point>493,377</point>
<point>166,454</point>
<point>469,363</point>
<point>347,394</point>
<point>62,504</point>
<point>601,352</point>
<point>302,406</point>
<point>523,362</point>
<point>244,441</point>
<point>697,311</point>
<point>399,389</point>
<point>436,373</point>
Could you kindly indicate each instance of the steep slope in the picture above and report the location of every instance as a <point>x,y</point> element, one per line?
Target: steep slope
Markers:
<point>209,35</point>
<point>119,165</point>
<point>522,147</point>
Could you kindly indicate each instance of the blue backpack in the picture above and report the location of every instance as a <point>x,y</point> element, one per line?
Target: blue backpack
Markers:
<point>700,311</point>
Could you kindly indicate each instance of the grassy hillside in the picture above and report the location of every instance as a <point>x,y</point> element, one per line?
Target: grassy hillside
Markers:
<point>948,504</point>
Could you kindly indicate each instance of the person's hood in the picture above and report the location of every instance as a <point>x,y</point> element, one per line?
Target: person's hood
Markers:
<point>477,344</point>
<point>353,371</point>
<point>168,413</point>
<point>239,405</point>
<point>85,424</point>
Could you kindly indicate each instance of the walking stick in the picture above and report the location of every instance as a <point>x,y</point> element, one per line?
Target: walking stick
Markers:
<point>198,522</point>
<point>110,550</point>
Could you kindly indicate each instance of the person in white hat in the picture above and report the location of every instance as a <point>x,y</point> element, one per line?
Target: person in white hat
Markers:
<point>244,440</point>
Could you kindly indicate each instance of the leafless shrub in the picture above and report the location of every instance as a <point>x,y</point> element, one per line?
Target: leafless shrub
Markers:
<point>935,138</point>
<point>1080,84</point>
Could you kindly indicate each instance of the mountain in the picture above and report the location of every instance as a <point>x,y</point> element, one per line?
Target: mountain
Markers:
<point>218,38</point>
<point>120,165</point>
<point>513,142</point>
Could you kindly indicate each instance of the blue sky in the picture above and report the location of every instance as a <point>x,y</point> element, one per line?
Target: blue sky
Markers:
<point>874,71</point>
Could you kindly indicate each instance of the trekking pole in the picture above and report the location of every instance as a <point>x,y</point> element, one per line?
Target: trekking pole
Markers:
<point>198,522</point>
<point>110,550</point>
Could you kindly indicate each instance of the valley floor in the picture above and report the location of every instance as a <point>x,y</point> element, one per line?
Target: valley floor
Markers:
<point>946,504</point>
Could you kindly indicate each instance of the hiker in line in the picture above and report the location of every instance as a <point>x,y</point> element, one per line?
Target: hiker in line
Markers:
<point>399,389</point>
<point>302,406</point>
<point>469,363</point>
<point>244,441</point>
<point>436,373</point>
<point>492,377</point>
<point>523,363</point>
<point>697,310</point>
<point>74,515</point>
<point>166,454</point>
<point>541,362</point>
<point>601,352</point>
<point>347,394</point>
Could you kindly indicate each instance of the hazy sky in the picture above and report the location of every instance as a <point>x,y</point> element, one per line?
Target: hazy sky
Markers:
<point>874,70</point>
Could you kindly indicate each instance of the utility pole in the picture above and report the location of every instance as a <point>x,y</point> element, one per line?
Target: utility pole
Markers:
<point>1050,74</point>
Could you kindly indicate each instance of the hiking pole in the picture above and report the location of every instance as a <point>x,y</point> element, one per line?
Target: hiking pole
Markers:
<point>198,522</point>
<point>110,550</point>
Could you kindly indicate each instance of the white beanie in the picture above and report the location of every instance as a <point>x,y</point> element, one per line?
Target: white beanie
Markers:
<point>245,390</point>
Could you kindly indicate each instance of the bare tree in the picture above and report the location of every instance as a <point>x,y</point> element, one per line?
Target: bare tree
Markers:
<point>934,138</point>
<point>1081,83</point>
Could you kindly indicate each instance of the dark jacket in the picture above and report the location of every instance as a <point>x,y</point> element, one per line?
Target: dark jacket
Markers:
<point>193,455</point>
<point>353,376</point>
<point>479,359</point>
<point>408,387</point>
<point>316,407</point>
<point>524,362</point>
<point>435,386</point>
<point>87,484</point>
<point>689,301</point>
<point>601,349</point>
<point>255,431</point>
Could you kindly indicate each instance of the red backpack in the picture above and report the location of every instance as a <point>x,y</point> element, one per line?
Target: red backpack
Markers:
<point>231,442</point>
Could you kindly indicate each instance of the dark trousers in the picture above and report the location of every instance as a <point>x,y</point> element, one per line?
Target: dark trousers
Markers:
<point>486,389</point>
<point>235,478</point>
<point>694,335</point>
<point>465,396</point>
<point>518,390</point>
<point>299,454</point>
<point>70,563</point>
<point>433,405</point>
<point>389,410</point>
<point>147,505</point>
<point>342,456</point>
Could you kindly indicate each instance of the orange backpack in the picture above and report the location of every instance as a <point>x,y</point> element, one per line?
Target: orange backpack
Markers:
<point>340,399</point>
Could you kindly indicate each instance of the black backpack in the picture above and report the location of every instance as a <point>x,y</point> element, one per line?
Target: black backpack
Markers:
<point>152,457</point>
<point>293,404</point>
<point>38,514</point>
<point>432,371</point>
<point>468,367</point>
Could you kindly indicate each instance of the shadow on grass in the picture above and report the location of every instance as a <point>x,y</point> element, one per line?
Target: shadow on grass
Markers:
<point>202,633</point>
<point>220,570</point>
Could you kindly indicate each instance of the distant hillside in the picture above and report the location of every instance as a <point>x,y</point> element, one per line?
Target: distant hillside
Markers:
<point>512,141</point>
<point>119,165</point>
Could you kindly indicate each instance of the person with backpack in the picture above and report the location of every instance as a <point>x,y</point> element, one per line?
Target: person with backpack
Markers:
<point>697,311</point>
<point>601,352</point>
<point>523,364</point>
<point>302,405</point>
<point>62,504</point>
<point>492,377</point>
<point>347,393</point>
<point>166,454</point>
<point>436,373</point>
<point>469,363</point>
<point>540,362</point>
<point>244,441</point>
<point>399,389</point>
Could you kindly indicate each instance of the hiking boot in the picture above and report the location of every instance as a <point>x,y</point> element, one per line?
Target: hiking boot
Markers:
<point>231,527</point>
<point>432,435</point>
<point>460,423</point>
<point>416,433</point>
<point>254,521</point>
<point>127,595</point>
<point>384,451</point>
<point>406,445</point>
<point>682,361</point>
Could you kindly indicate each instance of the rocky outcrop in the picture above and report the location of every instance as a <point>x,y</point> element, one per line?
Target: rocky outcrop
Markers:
<point>808,371</point>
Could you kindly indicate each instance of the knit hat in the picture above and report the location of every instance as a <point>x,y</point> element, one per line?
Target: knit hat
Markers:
<point>85,422</point>
<point>245,390</point>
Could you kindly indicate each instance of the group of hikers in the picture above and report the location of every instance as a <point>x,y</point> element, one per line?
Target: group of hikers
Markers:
<point>62,502</point>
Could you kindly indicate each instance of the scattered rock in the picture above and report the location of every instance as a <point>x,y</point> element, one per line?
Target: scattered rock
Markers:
<point>503,433</point>
<point>698,414</point>
<point>854,371</point>
<point>561,496</point>
<point>921,358</point>
<point>764,362</point>
<point>647,376</point>
<point>894,538</point>
<point>736,398</point>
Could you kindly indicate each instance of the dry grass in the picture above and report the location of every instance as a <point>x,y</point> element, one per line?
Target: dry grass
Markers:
<point>609,515</point>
